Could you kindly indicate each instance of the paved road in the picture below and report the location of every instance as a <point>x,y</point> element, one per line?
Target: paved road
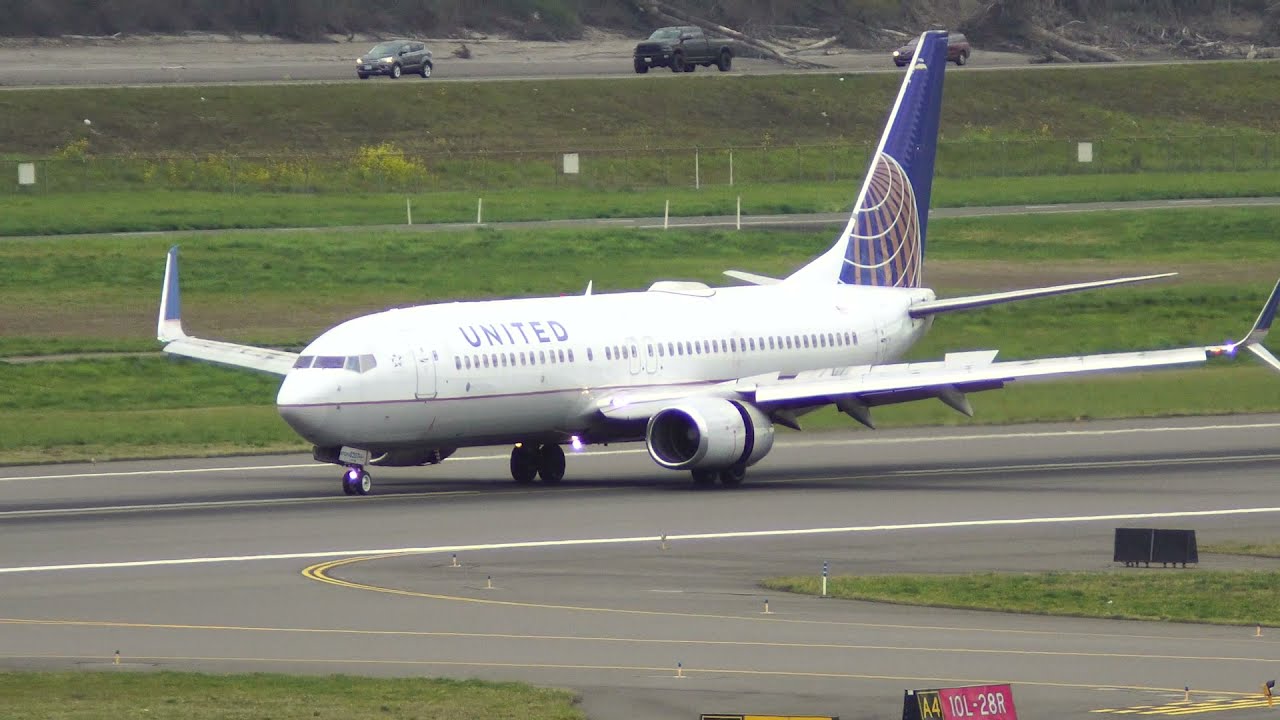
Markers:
<point>200,565</point>
<point>141,62</point>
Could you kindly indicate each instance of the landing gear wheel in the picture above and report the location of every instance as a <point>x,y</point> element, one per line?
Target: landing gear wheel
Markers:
<point>733,476</point>
<point>704,478</point>
<point>357,481</point>
<point>426,70</point>
<point>551,463</point>
<point>524,464</point>
<point>395,72</point>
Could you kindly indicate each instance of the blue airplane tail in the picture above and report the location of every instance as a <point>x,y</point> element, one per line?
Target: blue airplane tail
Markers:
<point>883,243</point>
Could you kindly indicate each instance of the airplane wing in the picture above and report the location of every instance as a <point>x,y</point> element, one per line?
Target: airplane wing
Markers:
<point>856,389</point>
<point>169,331</point>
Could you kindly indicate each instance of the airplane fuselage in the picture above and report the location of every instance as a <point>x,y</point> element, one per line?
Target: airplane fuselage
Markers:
<point>480,373</point>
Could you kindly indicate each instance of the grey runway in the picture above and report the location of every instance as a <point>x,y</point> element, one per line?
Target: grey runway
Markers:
<point>275,571</point>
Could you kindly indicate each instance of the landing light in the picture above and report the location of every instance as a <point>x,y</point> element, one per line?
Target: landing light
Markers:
<point>1225,350</point>
<point>576,443</point>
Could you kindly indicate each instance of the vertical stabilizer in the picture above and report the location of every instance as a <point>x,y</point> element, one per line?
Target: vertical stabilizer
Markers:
<point>884,240</point>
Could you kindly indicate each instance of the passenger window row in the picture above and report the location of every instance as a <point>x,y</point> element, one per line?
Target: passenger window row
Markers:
<point>554,356</point>
<point>662,349</point>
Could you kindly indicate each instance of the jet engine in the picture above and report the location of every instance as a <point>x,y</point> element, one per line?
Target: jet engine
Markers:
<point>708,433</point>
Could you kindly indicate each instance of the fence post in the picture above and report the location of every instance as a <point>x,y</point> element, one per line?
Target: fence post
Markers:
<point>730,167</point>
<point>697,170</point>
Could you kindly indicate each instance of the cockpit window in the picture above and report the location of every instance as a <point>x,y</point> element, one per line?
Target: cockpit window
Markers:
<point>354,363</point>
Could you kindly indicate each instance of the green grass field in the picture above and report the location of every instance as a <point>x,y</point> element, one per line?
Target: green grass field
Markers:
<point>189,696</point>
<point>1228,598</point>
<point>281,289</point>
<point>149,210</point>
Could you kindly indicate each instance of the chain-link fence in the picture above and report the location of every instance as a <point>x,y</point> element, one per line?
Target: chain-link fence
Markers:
<point>384,168</point>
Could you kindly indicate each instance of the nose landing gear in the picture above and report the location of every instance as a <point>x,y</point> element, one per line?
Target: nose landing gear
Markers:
<point>545,462</point>
<point>356,481</point>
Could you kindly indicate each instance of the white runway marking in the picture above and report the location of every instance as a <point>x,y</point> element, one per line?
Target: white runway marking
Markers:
<point>534,544</point>
<point>917,439</point>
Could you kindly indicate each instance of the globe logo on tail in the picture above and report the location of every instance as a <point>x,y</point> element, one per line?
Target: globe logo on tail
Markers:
<point>884,238</point>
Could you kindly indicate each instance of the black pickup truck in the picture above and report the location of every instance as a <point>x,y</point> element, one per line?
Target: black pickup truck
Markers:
<point>682,49</point>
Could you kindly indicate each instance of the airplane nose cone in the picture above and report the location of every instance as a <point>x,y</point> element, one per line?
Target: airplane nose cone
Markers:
<point>302,405</point>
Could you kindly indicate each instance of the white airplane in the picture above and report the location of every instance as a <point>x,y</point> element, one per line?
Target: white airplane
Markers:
<point>700,374</point>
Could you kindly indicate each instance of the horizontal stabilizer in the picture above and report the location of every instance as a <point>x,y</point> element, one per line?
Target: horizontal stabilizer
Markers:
<point>970,302</point>
<point>752,278</point>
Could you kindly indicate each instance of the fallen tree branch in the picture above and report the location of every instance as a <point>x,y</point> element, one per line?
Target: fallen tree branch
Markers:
<point>1070,48</point>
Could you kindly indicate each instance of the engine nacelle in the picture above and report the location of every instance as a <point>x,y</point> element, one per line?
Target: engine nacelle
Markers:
<point>708,433</point>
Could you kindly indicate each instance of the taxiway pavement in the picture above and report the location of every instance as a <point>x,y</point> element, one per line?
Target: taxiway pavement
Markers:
<point>258,564</point>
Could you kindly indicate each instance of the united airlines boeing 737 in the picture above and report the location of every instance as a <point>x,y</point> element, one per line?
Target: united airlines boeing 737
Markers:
<point>701,375</point>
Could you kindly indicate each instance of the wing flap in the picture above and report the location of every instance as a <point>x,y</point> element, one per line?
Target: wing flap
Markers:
<point>909,381</point>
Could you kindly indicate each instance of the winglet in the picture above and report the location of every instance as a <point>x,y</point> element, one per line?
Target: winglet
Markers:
<point>1253,341</point>
<point>169,325</point>
<point>1263,324</point>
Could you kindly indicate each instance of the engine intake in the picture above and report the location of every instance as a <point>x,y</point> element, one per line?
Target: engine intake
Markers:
<point>708,433</point>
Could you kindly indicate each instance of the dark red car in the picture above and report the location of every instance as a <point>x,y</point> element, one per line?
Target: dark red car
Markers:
<point>958,51</point>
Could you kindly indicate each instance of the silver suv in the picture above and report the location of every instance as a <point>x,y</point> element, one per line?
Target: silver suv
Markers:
<point>394,58</point>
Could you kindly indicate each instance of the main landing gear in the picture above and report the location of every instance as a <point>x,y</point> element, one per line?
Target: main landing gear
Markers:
<point>542,461</point>
<point>356,481</point>
<point>730,477</point>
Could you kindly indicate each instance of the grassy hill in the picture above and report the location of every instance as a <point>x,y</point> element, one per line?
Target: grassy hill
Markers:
<point>645,113</point>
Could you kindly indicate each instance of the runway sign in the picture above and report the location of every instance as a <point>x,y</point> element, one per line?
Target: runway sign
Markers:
<point>984,702</point>
<point>767,717</point>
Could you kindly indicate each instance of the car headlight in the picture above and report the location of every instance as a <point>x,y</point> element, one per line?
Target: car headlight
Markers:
<point>895,53</point>
<point>386,59</point>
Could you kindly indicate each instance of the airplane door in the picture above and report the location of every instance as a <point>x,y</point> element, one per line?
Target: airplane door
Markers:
<point>648,358</point>
<point>636,364</point>
<point>424,361</point>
